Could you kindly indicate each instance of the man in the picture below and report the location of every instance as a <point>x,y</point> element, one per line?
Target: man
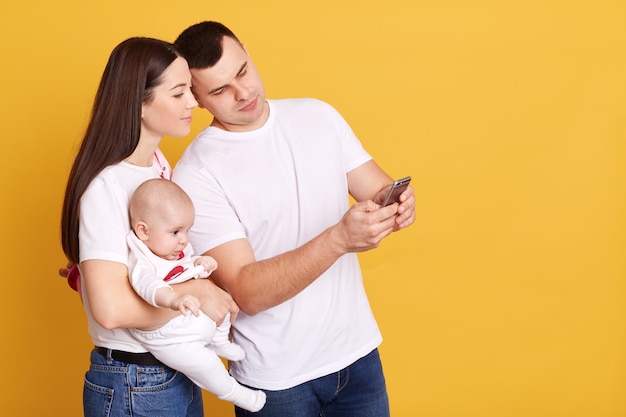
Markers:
<point>270,181</point>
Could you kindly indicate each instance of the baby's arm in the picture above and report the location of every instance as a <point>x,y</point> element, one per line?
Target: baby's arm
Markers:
<point>209,263</point>
<point>168,298</point>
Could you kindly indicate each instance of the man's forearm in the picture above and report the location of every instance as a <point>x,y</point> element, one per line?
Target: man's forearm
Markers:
<point>264,284</point>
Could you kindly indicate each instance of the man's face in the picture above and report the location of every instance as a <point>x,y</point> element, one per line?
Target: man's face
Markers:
<point>232,90</point>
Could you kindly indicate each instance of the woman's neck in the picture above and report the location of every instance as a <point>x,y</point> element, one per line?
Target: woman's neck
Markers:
<point>143,155</point>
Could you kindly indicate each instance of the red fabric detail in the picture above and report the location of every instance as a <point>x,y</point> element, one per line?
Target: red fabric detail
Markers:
<point>73,277</point>
<point>174,273</point>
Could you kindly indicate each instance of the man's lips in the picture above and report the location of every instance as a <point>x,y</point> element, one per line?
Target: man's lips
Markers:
<point>250,106</point>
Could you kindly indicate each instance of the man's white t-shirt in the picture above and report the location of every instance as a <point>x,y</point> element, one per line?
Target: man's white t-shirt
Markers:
<point>280,186</point>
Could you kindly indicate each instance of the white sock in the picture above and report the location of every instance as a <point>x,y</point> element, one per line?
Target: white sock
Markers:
<point>246,398</point>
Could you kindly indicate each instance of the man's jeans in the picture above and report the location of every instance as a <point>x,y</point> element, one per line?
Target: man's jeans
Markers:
<point>356,391</point>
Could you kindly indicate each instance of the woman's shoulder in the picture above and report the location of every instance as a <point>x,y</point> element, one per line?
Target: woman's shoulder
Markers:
<point>121,178</point>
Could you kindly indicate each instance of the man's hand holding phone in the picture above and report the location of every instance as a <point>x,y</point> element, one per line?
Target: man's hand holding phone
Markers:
<point>391,193</point>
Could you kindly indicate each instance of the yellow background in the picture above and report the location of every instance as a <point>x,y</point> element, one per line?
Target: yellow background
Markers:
<point>507,296</point>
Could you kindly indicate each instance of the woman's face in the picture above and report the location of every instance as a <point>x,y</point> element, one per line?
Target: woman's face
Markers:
<point>170,109</point>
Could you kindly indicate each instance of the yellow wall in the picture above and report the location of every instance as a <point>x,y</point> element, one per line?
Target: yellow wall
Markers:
<point>506,298</point>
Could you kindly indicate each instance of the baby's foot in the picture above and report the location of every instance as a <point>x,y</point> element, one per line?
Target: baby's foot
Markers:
<point>246,398</point>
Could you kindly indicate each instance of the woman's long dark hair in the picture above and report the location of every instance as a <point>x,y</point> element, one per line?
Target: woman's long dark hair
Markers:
<point>134,68</point>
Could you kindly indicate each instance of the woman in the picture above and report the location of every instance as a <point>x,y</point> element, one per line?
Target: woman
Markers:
<point>145,93</point>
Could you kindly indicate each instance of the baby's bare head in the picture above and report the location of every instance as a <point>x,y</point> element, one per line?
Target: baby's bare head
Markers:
<point>158,199</point>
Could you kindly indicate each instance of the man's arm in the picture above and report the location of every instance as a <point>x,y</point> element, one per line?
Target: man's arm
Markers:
<point>259,285</point>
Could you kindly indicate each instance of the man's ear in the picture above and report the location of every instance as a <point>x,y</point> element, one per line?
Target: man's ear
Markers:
<point>141,230</point>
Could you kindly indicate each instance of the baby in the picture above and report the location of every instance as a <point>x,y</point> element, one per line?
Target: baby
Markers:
<point>161,214</point>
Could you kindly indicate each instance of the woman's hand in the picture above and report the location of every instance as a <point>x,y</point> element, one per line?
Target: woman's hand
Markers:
<point>71,273</point>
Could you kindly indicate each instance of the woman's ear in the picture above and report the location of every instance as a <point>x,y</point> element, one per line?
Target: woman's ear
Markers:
<point>141,230</point>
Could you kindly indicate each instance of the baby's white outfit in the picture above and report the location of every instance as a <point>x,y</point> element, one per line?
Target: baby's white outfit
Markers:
<point>187,343</point>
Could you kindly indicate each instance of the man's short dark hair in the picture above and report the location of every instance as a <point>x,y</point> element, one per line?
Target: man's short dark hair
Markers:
<point>201,44</point>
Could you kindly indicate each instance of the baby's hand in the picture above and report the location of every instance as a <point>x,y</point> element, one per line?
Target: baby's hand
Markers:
<point>186,303</point>
<point>209,263</point>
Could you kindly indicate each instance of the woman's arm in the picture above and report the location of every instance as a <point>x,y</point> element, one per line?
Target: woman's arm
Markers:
<point>114,303</point>
<point>112,300</point>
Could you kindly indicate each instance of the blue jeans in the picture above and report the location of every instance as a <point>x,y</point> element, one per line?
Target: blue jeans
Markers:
<point>116,389</point>
<point>356,391</point>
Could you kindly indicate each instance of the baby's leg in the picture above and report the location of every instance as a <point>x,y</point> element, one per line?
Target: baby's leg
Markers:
<point>222,345</point>
<point>202,366</point>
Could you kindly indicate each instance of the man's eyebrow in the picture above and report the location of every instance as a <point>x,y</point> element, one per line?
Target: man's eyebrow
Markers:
<point>241,69</point>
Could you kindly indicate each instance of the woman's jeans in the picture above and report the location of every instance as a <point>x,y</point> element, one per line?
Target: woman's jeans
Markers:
<point>115,389</point>
<point>356,391</point>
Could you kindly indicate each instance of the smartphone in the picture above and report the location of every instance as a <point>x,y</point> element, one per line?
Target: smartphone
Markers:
<point>395,190</point>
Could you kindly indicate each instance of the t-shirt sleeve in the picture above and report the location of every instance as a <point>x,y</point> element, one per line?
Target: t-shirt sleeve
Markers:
<point>104,222</point>
<point>215,222</point>
<point>353,152</point>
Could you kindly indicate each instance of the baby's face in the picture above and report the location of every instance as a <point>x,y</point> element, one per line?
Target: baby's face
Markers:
<point>168,236</point>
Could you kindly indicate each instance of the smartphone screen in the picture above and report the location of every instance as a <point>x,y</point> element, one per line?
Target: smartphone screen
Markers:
<point>395,190</point>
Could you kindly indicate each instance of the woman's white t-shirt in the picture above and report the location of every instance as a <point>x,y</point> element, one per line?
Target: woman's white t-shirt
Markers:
<point>104,224</point>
